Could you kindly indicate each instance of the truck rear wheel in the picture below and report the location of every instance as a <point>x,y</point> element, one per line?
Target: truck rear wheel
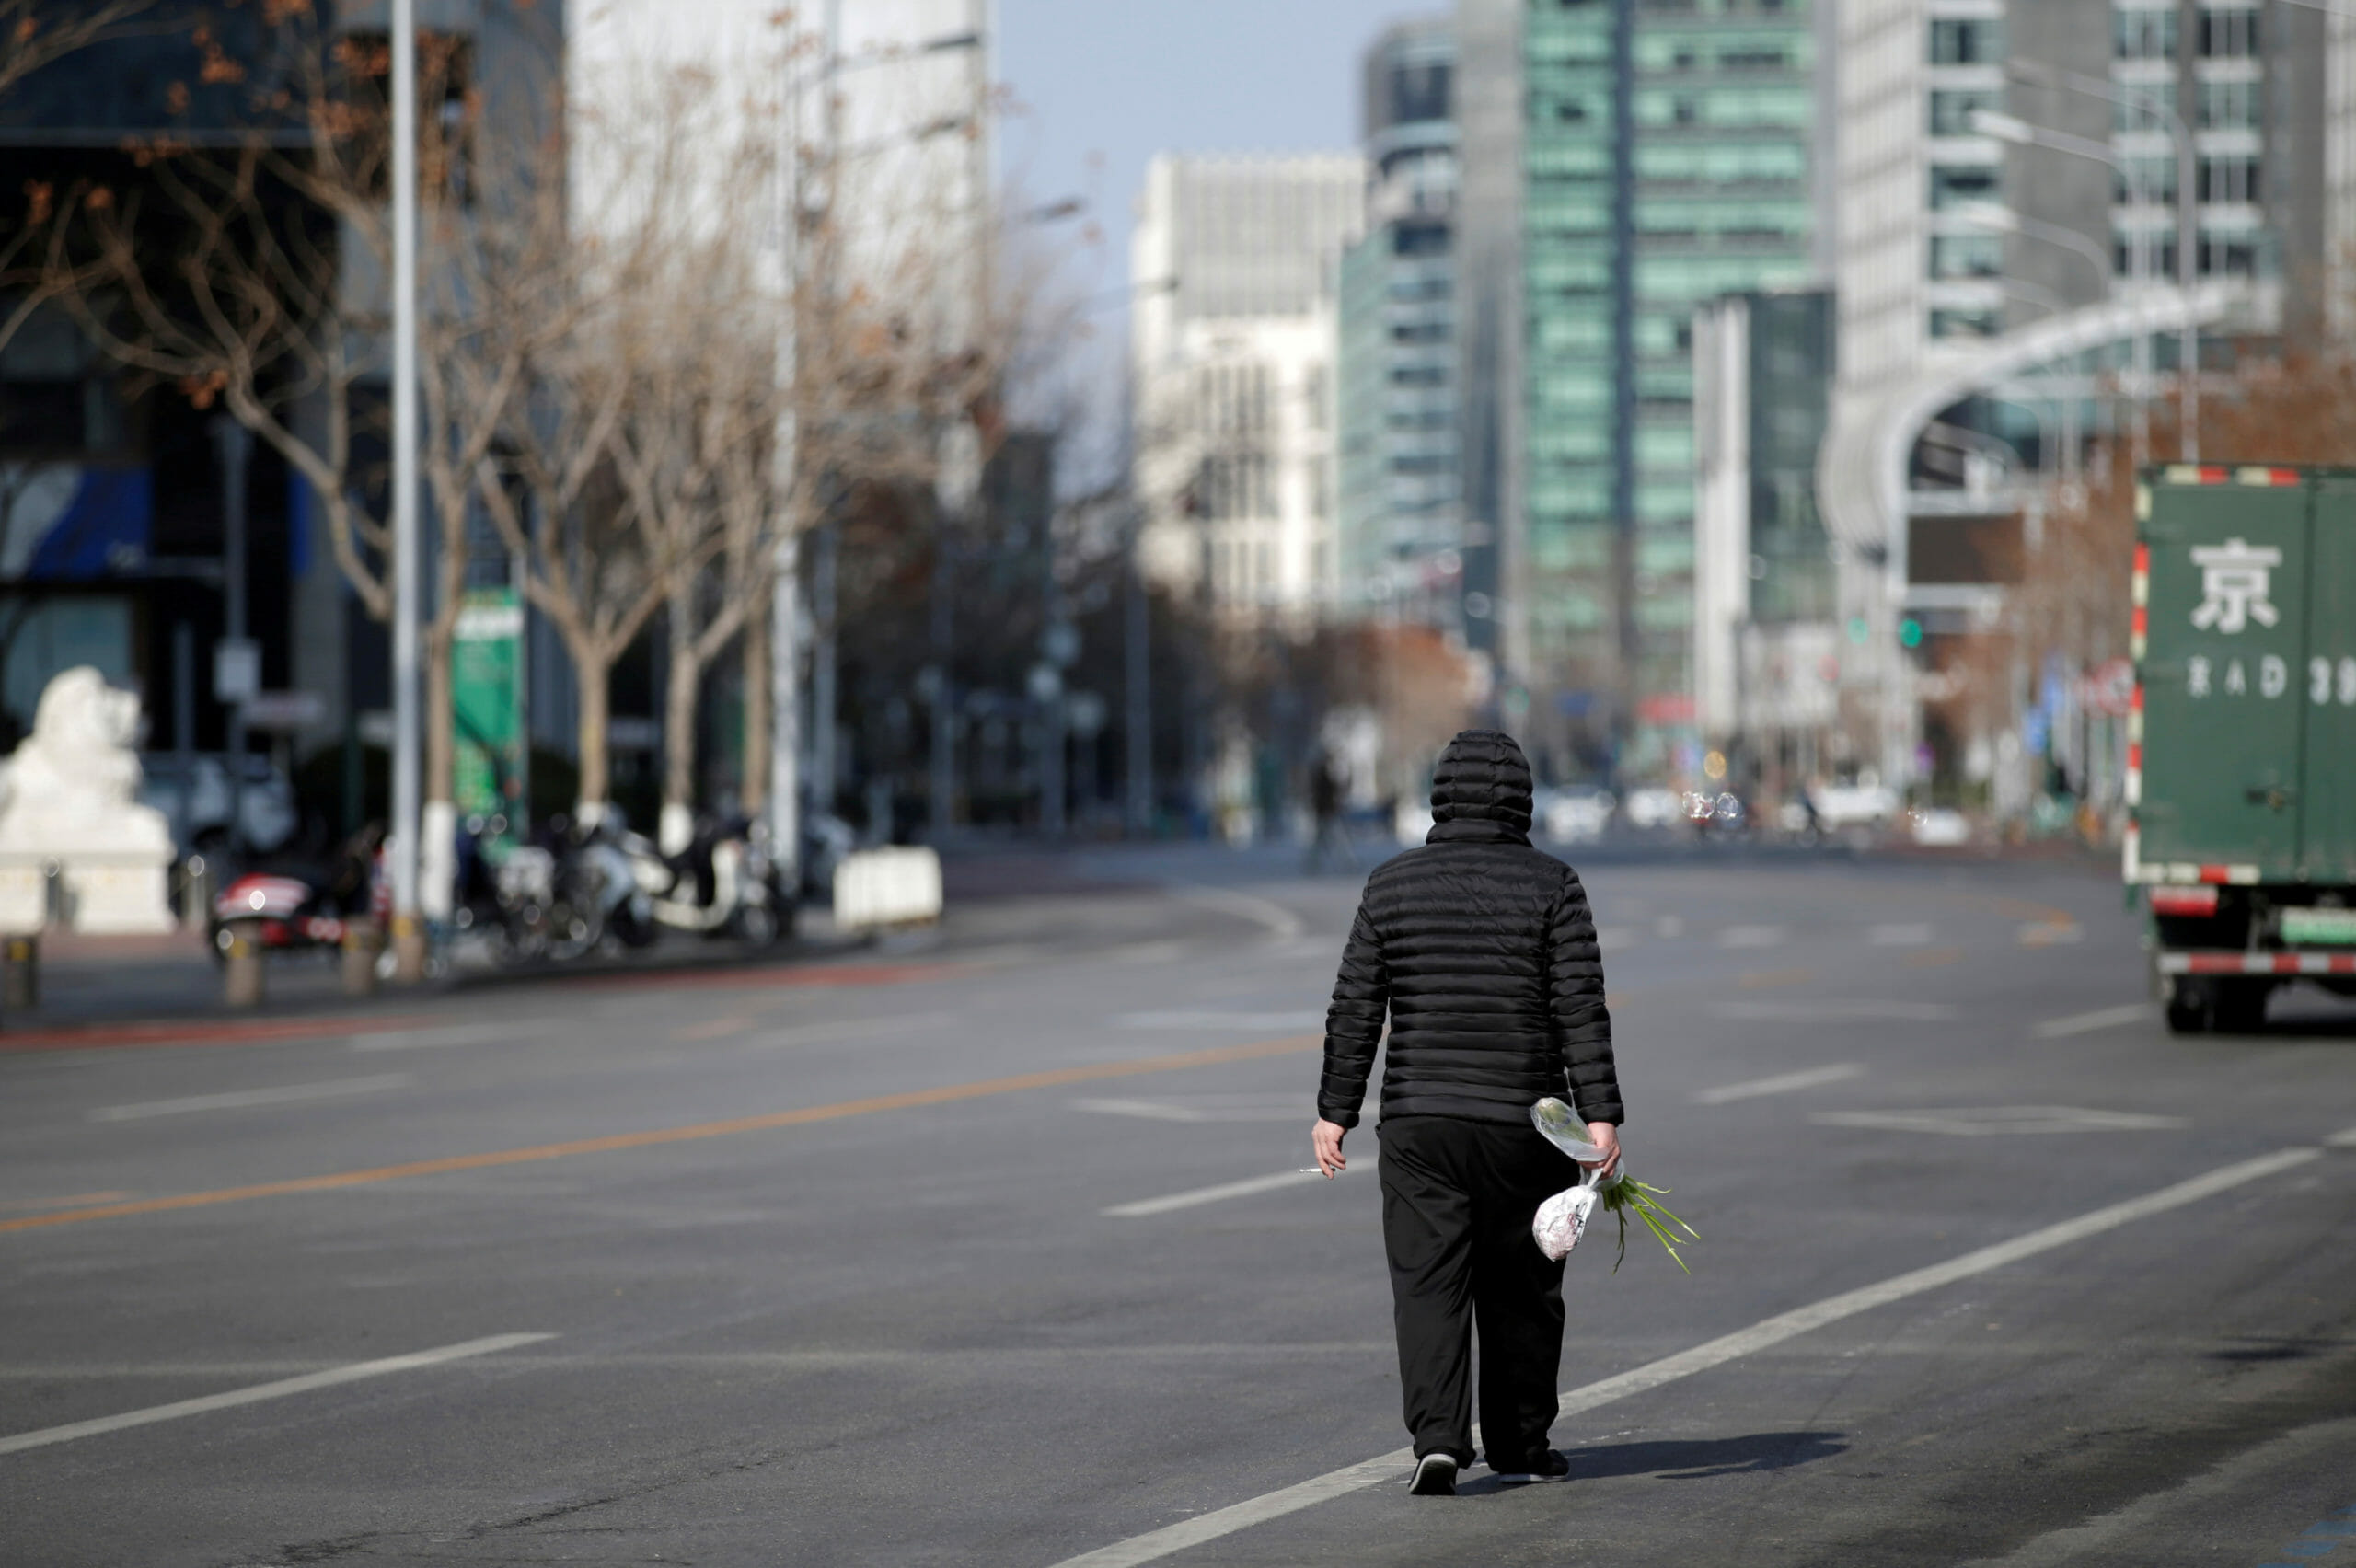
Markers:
<point>2241,1007</point>
<point>2187,1008</point>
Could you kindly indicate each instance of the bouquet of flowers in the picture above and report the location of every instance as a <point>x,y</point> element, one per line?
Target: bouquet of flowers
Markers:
<point>1562,1219</point>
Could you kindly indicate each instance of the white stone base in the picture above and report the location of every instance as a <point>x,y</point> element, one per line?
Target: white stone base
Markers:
<point>108,892</point>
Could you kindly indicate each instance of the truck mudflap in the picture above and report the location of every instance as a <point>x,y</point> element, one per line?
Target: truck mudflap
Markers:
<point>2199,963</point>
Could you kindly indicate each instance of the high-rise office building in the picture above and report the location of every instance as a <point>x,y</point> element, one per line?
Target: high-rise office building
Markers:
<point>2019,181</point>
<point>1234,263</point>
<point>1624,161</point>
<point>1399,521</point>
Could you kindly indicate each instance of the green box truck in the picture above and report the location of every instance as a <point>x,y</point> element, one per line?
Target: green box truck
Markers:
<point>2241,762</point>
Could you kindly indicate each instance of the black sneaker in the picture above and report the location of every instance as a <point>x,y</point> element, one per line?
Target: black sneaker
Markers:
<point>1435,1476</point>
<point>1547,1465</point>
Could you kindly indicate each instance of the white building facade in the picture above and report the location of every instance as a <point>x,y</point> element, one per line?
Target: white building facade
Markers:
<point>1233,264</point>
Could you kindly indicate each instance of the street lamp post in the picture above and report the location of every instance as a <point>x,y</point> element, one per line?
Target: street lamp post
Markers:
<point>409,934</point>
<point>2020,132</point>
<point>2187,222</point>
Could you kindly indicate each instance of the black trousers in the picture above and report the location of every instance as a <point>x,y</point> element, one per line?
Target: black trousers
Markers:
<point>1457,1201</point>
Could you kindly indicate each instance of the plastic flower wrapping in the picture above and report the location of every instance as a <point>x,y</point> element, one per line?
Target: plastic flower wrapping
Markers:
<point>1562,1219</point>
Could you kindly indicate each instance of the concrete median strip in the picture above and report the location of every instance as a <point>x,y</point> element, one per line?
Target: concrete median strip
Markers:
<point>262,1392</point>
<point>946,1094</point>
<point>1763,1335</point>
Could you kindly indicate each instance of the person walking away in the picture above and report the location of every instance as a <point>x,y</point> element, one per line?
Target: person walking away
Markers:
<point>1481,953</point>
<point>1326,785</point>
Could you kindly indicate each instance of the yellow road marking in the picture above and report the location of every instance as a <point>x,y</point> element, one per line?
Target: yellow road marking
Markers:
<point>1932,958</point>
<point>907,1101</point>
<point>1753,979</point>
<point>76,1201</point>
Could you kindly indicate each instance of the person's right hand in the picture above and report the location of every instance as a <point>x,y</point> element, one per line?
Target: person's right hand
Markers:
<point>1326,1136</point>
<point>1605,1137</point>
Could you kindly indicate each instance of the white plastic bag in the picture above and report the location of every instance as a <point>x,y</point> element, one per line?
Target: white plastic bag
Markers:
<point>1561,1220</point>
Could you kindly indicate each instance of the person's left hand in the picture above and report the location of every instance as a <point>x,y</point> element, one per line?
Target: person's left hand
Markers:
<point>1327,1139</point>
<point>1605,1137</point>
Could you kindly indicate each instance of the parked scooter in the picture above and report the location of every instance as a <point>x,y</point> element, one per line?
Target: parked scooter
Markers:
<point>281,912</point>
<point>595,897</point>
<point>723,883</point>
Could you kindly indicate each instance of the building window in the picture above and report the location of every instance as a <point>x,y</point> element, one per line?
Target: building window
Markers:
<point>2228,35</point>
<point>2144,35</point>
<point>2229,105</point>
<point>1951,111</point>
<point>1975,321</point>
<point>2144,179</point>
<point>1961,40</point>
<point>1958,185</point>
<point>1967,255</point>
<point>2229,179</point>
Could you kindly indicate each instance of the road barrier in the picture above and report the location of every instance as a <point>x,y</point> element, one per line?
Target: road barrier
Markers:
<point>878,889</point>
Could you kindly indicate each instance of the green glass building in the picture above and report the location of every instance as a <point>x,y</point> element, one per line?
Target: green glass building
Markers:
<point>1665,154</point>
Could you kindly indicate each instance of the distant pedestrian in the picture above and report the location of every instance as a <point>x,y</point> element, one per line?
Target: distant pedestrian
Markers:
<point>1481,953</point>
<point>1326,784</point>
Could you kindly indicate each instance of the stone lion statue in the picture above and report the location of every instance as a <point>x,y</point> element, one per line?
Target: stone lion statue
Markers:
<point>74,781</point>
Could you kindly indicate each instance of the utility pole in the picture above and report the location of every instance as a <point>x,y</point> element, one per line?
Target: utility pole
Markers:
<point>232,444</point>
<point>409,933</point>
<point>1139,723</point>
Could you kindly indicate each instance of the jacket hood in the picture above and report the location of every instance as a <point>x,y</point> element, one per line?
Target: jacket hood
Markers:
<point>1481,791</point>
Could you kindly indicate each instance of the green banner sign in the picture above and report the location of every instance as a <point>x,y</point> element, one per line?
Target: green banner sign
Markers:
<point>487,688</point>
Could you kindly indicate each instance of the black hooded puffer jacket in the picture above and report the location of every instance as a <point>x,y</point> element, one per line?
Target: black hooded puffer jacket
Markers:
<point>1481,951</point>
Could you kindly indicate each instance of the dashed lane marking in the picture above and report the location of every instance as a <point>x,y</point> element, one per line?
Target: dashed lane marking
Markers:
<point>1751,937</point>
<point>845,1029</point>
<point>946,1094</point>
<point>1783,1083</point>
<point>2003,1121</point>
<point>1154,1545</point>
<point>1201,1195</point>
<point>1899,935</point>
<point>262,1392</point>
<point>497,1033</point>
<point>1832,1010</point>
<point>242,1099</point>
<point>2087,1022</point>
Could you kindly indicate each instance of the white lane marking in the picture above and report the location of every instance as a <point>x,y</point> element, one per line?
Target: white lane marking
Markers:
<point>2087,1022</point>
<point>845,1029</point>
<point>1274,918</point>
<point>1769,1331</point>
<point>457,1034</point>
<point>1751,937</point>
<point>1149,953</point>
<point>260,1391</point>
<point>1195,1108</point>
<point>1899,936</point>
<point>1834,1011</point>
<point>237,1099</point>
<point>1203,1195</point>
<point>2052,933</point>
<point>1668,925</point>
<point>1249,1021</point>
<point>2003,1121</point>
<point>1615,939</point>
<point>1783,1083</point>
<point>2342,1139</point>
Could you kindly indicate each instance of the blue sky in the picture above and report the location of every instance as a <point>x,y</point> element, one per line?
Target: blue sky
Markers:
<point>1103,85</point>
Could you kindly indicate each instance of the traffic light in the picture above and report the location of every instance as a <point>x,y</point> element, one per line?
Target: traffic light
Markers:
<point>1910,632</point>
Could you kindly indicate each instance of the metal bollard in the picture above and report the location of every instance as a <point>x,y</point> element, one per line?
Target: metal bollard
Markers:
<point>360,944</point>
<point>241,968</point>
<point>19,973</point>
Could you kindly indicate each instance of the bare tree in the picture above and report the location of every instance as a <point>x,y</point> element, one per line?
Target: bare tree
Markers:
<point>37,33</point>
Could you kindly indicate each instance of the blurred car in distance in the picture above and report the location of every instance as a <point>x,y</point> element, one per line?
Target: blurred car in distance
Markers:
<point>1654,806</point>
<point>1853,805</point>
<point>1573,814</point>
<point>1939,827</point>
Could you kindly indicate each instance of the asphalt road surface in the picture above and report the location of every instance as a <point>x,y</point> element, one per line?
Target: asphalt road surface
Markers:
<point>993,1252</point>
